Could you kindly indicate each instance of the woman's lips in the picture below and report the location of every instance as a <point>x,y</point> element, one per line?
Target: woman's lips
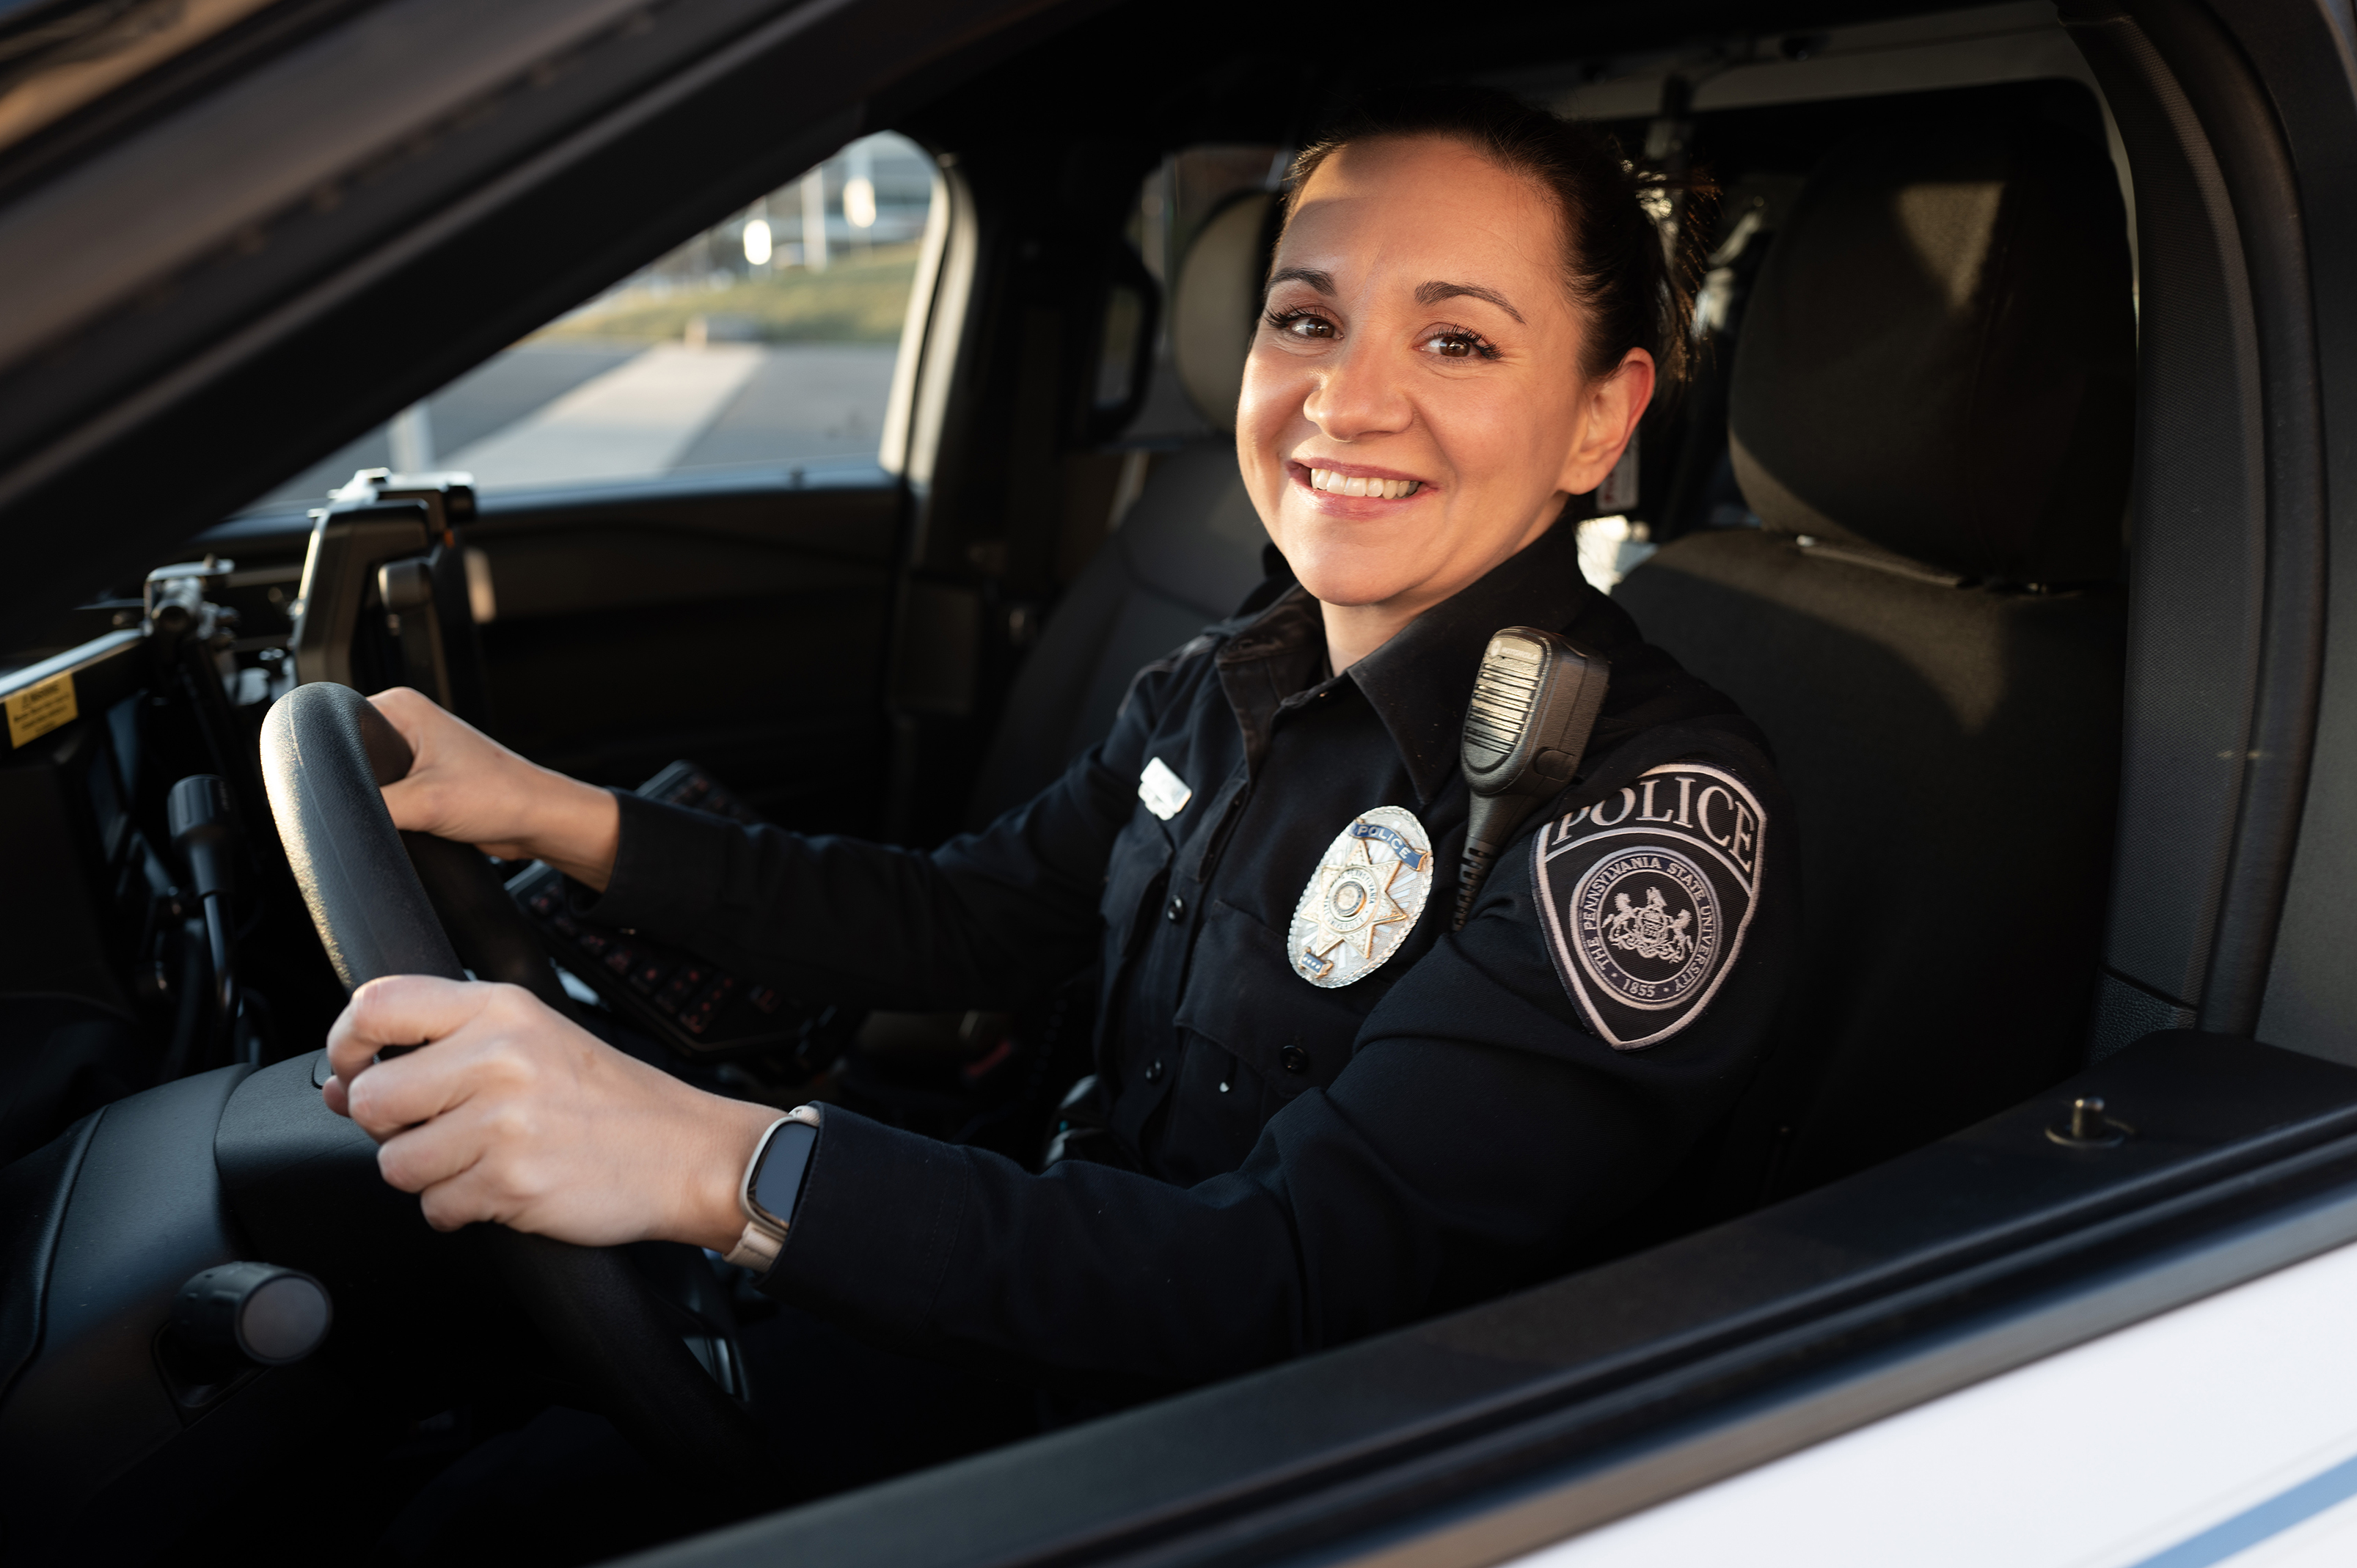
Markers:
<point>1374,487</point>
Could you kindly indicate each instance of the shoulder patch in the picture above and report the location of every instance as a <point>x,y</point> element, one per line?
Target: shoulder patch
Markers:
<point>1644,899</point>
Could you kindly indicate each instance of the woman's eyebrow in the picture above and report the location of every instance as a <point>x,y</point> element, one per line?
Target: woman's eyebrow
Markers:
<point>1434,293</point>
<point>1323,281</point>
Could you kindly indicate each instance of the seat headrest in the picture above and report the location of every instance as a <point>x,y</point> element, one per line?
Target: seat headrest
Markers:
<point>1217,304</point>
<point>1939,359</point>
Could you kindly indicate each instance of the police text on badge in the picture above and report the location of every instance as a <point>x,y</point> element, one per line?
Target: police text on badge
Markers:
<point>1362,900</point>
<point>1645,897</point>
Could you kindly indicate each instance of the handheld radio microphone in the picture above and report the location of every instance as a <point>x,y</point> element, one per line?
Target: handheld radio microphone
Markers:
<point>1534,705</point>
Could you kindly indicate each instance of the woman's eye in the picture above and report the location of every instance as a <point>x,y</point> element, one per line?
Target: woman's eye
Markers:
<point>1300,324</point>
<point>1456,345</point>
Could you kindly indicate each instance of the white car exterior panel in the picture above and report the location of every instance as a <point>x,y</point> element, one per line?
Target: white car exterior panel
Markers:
<point>2225,1431</point>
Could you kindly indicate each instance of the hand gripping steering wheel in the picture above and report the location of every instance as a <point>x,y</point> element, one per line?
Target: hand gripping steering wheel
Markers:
<point>386,902</point>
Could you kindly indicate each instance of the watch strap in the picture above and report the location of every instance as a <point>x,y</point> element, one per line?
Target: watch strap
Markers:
<point>757,1248</point>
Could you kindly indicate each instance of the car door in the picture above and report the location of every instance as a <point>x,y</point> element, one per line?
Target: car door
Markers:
<point>686,516</point>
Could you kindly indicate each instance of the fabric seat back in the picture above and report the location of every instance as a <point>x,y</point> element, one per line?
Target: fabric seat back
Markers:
<point>1931,415</point>
<point>1185,554</point>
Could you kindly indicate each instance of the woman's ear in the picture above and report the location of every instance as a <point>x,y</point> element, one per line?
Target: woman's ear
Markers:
<point>1609,407</point>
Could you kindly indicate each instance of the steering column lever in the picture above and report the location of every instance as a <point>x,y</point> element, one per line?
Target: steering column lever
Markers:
<point>204,832</point>
<point>232,1322</point>
<point>252,1312</point>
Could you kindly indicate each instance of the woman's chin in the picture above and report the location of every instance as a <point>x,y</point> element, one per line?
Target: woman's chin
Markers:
<point>1357,561</point>
<point>1349,584</point>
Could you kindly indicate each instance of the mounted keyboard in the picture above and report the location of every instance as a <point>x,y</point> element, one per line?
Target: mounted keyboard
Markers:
<point>689,1002</point>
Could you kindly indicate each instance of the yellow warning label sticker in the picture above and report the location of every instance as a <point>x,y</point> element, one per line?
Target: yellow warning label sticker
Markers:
<point>39,709</point>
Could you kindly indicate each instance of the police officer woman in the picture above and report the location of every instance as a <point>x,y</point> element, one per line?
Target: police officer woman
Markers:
<point>1330,1113</point>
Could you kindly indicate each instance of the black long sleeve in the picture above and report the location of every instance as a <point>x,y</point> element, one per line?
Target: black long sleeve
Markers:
<point>984,921</point>
<point>1476,1138</point>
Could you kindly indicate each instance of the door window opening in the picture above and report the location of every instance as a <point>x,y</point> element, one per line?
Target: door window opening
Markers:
<point>765,342</point>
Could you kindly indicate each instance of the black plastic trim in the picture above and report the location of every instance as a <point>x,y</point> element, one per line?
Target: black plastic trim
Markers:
<point>142,1212</point>
<point>34,1193</point>
<point>164,89</point>
<point>2199,550</point>
<point>2306,53</point>
<point>2235,110</point>
<point>670,497</point>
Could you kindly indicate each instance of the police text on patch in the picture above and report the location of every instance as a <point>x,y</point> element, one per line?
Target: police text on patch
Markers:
<point>1644,898</point>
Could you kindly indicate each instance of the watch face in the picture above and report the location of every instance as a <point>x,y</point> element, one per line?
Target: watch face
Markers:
<point>777,1183</point>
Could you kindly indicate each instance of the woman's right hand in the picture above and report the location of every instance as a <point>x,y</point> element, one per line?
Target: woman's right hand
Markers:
<point>464,785</point>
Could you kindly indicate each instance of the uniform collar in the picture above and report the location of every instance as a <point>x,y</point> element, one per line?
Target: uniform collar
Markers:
<point>1418,682</point>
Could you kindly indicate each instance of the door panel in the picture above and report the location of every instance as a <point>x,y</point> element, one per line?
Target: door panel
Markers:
<point>745,630</point>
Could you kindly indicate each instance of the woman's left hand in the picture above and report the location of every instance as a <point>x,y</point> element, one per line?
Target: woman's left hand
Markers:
<point>515,1114</point>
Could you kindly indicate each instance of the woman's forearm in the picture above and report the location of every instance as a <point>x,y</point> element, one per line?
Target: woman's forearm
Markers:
<point>576,828</point>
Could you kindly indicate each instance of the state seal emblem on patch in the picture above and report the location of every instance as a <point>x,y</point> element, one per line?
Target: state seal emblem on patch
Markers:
<point>1646,895</point>
<point>1364,898</point>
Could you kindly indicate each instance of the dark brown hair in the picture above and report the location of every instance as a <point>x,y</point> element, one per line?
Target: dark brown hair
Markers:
<point>1615,263</point>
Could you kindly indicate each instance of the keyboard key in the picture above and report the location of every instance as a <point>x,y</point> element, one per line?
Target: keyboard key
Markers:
<point>683,985</point>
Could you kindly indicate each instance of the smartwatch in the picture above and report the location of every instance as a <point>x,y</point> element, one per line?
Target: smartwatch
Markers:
<point>772,1187</point>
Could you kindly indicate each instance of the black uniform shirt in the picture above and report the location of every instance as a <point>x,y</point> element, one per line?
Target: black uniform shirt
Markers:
<point>1312,1164</point>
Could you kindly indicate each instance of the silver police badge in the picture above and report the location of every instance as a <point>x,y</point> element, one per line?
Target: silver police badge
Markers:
<point>1363,899</point>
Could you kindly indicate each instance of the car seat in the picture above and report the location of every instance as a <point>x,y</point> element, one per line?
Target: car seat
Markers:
<point>1931,415</point>
<point>1185,554</point>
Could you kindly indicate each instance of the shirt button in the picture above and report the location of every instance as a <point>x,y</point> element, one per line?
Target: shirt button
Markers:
<point>1175,910</point>
<point>1154,1070</point>
<point>1295,1059</point>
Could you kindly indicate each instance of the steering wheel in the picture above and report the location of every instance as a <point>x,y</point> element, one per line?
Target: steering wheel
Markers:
<point>386,902</point>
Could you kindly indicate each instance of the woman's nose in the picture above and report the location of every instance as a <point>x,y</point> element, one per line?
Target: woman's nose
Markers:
<point>1359,394</point>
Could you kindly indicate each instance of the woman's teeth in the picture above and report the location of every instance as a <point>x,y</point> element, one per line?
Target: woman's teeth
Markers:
<point>1327,479</point>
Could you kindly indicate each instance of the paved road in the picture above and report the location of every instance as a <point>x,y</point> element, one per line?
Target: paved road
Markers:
<point>804,399</point>
<point>549,412</point>
<point>639,418</point>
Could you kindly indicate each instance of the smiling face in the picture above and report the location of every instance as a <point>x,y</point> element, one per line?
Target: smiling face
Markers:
<point>1413,409</point>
